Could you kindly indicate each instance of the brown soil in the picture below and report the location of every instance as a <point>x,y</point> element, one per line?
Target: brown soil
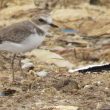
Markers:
<point>89,91</point>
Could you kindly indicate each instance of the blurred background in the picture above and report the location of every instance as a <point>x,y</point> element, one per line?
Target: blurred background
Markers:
<point>83,38</point>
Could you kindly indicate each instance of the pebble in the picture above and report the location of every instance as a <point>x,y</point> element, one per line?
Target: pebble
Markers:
<point>42,73</point>
<point>27,65</point>
<point>66,85</point>
<point>25,61</point>
<point>98,83</point>
<point>71,71</point>
<point>61,107</point>
<point>106,88</point>
<point>69,31</point>
<point>88,86</point>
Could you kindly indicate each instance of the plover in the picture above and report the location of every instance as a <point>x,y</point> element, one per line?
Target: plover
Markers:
<point>24,36</point>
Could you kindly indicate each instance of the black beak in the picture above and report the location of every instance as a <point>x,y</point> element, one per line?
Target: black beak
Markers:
<point>53,25</point>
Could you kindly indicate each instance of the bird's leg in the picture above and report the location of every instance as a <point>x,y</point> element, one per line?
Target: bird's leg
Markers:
<point>20,65</point>
<point>12,66</point>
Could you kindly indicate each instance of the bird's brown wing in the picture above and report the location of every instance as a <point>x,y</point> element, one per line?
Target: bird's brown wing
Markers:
<point>16,32</point>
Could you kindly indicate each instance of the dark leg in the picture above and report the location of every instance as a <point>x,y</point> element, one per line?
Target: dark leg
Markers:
<point>12,66</point>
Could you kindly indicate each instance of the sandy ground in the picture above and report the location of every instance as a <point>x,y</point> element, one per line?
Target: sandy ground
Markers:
<point>89,91</point>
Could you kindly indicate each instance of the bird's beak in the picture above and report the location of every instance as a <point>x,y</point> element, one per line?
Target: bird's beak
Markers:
<point>53,25</point>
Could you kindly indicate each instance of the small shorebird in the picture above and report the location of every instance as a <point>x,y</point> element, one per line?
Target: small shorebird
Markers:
<point>24,36</point>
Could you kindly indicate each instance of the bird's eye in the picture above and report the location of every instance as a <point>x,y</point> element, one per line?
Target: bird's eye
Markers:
<point>42,20</point>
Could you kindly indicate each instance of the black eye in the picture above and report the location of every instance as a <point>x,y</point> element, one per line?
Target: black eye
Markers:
<point>42,20</point>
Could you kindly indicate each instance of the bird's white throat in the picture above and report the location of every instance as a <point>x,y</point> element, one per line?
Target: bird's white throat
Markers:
<point>44,28</point>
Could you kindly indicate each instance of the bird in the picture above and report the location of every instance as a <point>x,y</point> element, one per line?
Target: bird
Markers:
<point>24,36</point>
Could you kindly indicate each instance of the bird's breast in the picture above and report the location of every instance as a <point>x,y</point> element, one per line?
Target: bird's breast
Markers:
<point>33,41</point>
<point>30,42</point>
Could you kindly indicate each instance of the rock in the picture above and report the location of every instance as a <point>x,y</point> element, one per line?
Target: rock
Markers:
<point>54,48</point>
<point>50,58</point>
<point>59,15</point>
<point>69,31</point>
<point>88,86</point>
<point>27,65</point>
<point>66,85</point>
<point>98,83</point>
<point>71,70</point>
<point>41,73</point>
<point>74,40</point>
<point>52,4</point>
<point>87,24</point>
<point>61,107</point>
<point>25,61</point>
<point>6,3</point>
<point>99,32</point>
<point>47,4</point>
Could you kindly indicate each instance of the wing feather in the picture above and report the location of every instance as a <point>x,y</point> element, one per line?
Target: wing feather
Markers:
<point>17,32</point>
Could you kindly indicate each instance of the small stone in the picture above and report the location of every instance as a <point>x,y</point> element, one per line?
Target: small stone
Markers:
<point>66,85</point>
<point>98,83</point>
<point>88,86</point>
<point>27,65</point>
<point>106,88</point>
<point>61,107</point>
<point>69,31</point>
<point>42,73</point>
<point>71,70</point>
<point>49,57</point>
<point>25,61</point>
<point>67,107</point>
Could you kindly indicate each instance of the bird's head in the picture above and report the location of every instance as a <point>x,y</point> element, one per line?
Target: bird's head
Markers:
<point>47,21</point>
<point>44,23</point>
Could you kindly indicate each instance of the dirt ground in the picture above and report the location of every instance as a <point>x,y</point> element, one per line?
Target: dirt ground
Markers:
<point>86,91</point>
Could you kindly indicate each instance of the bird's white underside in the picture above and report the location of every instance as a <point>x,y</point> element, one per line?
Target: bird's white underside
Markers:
<point>26,45</point>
